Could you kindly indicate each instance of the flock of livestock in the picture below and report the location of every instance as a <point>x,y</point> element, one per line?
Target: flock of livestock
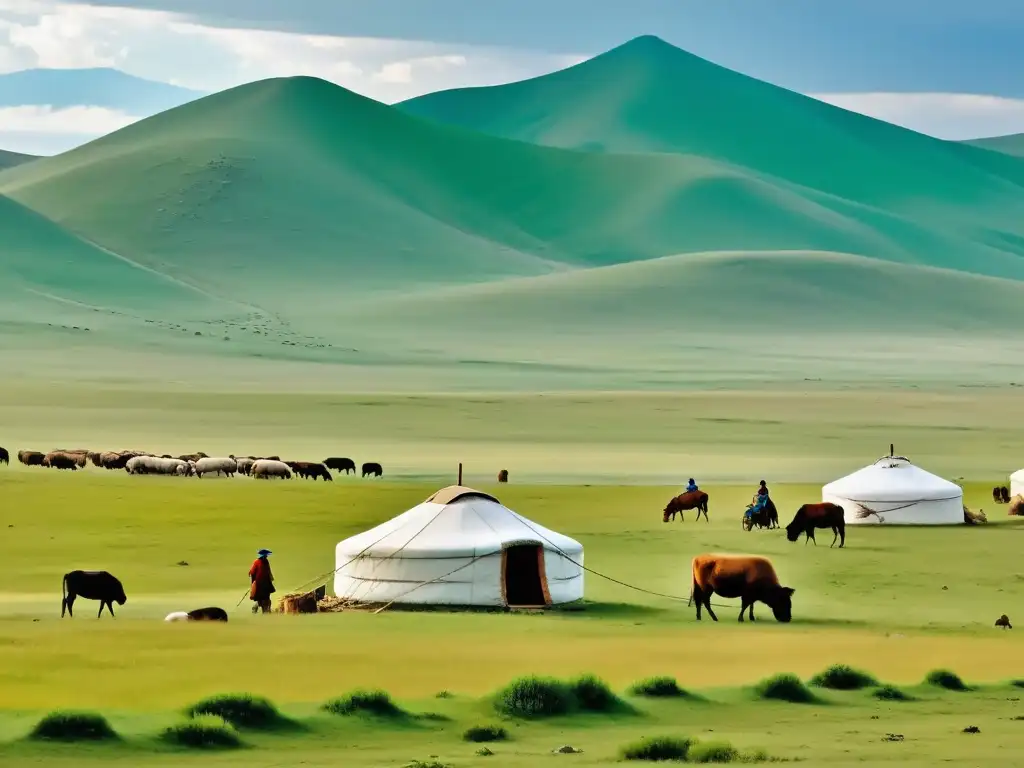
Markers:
<point>192,465</point>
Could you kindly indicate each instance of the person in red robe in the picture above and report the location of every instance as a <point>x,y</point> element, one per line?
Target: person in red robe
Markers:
<point>262,582</point>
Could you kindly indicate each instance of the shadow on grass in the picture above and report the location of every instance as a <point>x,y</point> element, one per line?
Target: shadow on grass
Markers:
<point>594,610</point>
<point>811,621</point>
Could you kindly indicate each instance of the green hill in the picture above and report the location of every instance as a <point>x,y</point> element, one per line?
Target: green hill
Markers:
<point>1009,145</point>
<point>11,159</point>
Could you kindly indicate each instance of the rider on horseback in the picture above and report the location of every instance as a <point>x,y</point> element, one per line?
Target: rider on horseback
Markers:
<point>691,487</point>
<point>760,500</point>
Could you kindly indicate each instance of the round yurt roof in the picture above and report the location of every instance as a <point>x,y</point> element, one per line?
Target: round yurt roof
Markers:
<point>1018,476</point>
<point>893,478</point>
<point>455,522</point>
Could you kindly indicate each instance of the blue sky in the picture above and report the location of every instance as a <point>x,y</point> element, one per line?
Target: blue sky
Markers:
<point>943,67</point>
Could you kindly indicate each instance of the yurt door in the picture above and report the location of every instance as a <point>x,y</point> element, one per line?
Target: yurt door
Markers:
<point>523,576</point>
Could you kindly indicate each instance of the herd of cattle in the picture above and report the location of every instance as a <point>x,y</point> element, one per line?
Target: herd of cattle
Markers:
<point>191,465</point>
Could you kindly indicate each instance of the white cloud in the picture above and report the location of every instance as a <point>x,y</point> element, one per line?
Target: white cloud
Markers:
<point>944,115</point>
<point>69,121</point>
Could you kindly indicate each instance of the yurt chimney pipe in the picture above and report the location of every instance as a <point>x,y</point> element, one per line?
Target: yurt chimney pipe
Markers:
<point>460,474</point>
<point>892,450</point>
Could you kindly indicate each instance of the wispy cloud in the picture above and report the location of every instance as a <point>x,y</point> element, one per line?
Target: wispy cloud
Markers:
<point>944,115</point>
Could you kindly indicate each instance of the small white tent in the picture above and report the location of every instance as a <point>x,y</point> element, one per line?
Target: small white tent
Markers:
<point>460,547</point>
<point>892,491</point>
<point>1017,482</point>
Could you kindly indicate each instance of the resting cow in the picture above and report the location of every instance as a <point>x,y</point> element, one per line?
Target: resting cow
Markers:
<point>372,468</point>
<point>91,585</point>
<point>821,515</point>
<point>690,500</point>
<point>748,577</point>
<point>340,464</point>
<point>199,614</point>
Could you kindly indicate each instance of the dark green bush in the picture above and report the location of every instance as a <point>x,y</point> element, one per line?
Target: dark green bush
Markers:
<point>784,687</point>
<point>73,726</point>
<point>360,702</point>
<point>840,677</point>
<point>657,749</point>
<point>535,697</point>
<point>890,693</point>
<point>482,733</point>
<point>657,687</point>
<point>242,710</point>
<point>203,732</point>
<point>593,695</point>
<point>944,678</point>
<point>712,752</point>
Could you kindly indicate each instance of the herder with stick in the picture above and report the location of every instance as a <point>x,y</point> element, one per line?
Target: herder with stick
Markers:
<point>262,579</point>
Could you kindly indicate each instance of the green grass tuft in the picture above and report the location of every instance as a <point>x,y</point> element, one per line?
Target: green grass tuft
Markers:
<point>662,686</point>
<point>658,749</point>
<point>203,732</point>
<point>535,697</point>
<point>840,677</point>
<point>484,733</point>
<point>243,711</point>
<point>377,703</point>
<point>712,752</point>
<point>944,678</point>
<point>891,693</point>
<point>785,687</point>
<point>594,695</point>
<point>73,726</point>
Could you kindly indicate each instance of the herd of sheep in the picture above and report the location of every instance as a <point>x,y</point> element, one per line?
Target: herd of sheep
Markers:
<point>191,465</point>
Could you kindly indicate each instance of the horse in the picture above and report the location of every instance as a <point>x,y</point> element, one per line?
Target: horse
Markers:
<point>690,500</point>
<point>768,517</point>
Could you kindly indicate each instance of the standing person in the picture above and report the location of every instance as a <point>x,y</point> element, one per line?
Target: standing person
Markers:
<point>262,586</point>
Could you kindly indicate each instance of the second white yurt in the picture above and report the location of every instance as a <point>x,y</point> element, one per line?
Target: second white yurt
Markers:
<point>460,547</point>
<point>1017,482</point>
<point>892,491</point>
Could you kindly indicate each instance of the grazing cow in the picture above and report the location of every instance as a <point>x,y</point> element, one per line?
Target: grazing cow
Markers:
<point>821,515</point>
<point>31,458</point>
<point>60,460</point>
<point>372,468</point>
<point>690,500</point>
<point>1004,494</point>
<point>766,517</point>
<point>748,577</point>
<point>503,476</point>
<point>1004,622</point>
<point>5,457</point>
<point>264,469</point>
<point>314,470</point>
<point>340,464</point>
<point>1016,506</point>
<point>91,585</point>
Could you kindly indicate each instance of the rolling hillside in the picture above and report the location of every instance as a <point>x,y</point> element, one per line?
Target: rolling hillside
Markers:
<point>11,159</point>
<point>1009,145</point>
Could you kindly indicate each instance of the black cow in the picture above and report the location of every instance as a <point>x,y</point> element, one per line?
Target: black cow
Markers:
<point>92,585</point>
<point>372,468</point>
<point>208,614</point>
<point>339,464</point>
<point>5,457</point>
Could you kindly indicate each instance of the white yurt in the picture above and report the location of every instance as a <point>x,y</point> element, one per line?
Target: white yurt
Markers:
<point>892,491</point>
<point>460,547</point>
<point>1017,482</point>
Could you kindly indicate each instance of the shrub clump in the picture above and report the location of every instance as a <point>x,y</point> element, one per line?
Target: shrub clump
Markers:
<point>663,686</point>
<point>944,678</point>
<point>377,703</point>
<point>535,697</point>
<point>482,733</point>
<point>73,726</point>
<point>593,695</point>
<point>712,752</point>
<point>784,688</point>
<point>203,732</point>
<point>658,748</point>
<point>840,677</point>
<point>890,693</point>
<point>241,710</point>
<point>1017,683</point>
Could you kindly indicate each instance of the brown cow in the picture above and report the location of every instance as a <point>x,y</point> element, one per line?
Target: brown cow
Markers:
<point>503,476</point>
<point>821,515</point>
<point>31,458</point>
<point>748,577</point>
<point>1004,492</point>
<point>691,500</point>
<point>1016,505</point>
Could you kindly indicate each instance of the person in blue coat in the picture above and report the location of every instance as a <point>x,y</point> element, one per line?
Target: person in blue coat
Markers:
<point>691,486</point>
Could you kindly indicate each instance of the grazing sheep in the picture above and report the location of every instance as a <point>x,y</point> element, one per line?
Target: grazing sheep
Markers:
<point>207,466</point>
<point>94,458</point>
<point>31,458</point>
<point>310,469</point>
<point>1004,622</point>
<point>372,468</point>
<point>244,464</point>
<point>5,457</point>
<point>77,455</point>
<point>264,469</point>
<point>157,465</point>
<point>60,460</point>
<point>503,476</point>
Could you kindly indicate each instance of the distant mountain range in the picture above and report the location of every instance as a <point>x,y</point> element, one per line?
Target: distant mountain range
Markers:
<point>11,159</point>
<point>605,214</point>
<point>108,88</point>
